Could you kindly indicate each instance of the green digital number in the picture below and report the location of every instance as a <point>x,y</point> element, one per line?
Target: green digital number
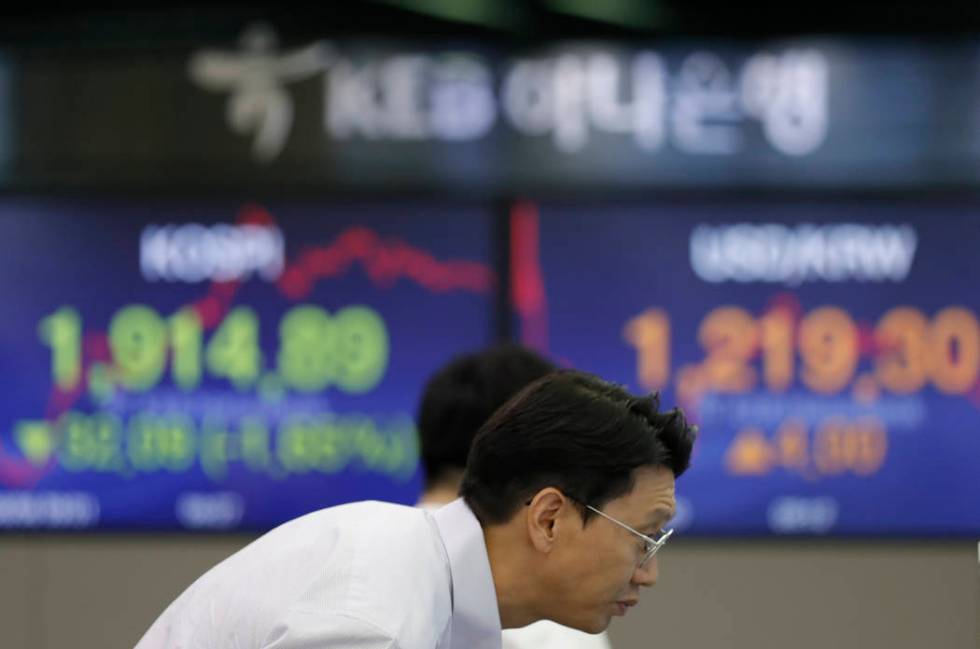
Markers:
<point>233,351</point>
<point>156,443</point>
<point>350,349</point>
<point>178,446</point>
<point>307,357</point>
<point>214,449</point>
<point>362,348</point>
<point>62,332</point>
<point>255,443</point>
<point>329,444</point>
<point>138,341</point>
<point>78,442</point>
<point>140,444</point>
<point>91,442</point>
<point>295,447</point>
<point>185,340</point>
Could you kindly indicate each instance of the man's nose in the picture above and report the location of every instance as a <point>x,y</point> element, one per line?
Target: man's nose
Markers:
<point>647,574</point>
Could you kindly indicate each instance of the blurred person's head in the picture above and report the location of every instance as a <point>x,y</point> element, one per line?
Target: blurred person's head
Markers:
<point>461,397</point>
<point>566,444</point>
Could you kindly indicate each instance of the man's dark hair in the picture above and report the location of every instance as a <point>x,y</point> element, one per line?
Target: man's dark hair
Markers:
<point>460,398</point>
<point>575,432</point>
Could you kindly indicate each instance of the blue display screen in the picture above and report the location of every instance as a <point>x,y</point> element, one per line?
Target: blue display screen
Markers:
<point>223,365</point>
<point>829,351</point>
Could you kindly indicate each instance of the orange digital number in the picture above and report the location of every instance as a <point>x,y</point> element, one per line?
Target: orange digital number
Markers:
<point>841,446</point>
<point>955,350</point>
<point>872,447</point>
<point>776,341</point>
<point>828,349</point>
<point>729,336</point>
<point>649,334</point>
<point>902,335</point>
<point>792,443</point>
<point>828,447</point>
<point>838,446</point>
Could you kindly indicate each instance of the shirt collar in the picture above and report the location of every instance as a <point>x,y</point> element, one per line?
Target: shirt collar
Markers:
<point>475,619</point>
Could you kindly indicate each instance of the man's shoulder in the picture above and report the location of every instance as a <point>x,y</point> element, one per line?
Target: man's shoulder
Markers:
<point>400,579</point>
<point>390,535</point>
<point>376,563</point>
<point>359,515</point>
<point>362,565</point>
<point>367,508</point>
<point>326,545</point>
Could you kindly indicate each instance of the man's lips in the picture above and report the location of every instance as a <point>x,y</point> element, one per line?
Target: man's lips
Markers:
<point>624,604</point>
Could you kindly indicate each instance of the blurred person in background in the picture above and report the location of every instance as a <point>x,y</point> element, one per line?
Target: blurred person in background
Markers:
<point>565,491</point>
<point>458,399</point>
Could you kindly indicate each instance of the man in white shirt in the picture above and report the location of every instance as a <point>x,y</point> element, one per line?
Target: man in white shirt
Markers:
<point>457,400</point>
<point>563,497</point>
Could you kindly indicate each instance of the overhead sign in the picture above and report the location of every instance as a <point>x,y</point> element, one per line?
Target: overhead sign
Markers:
<point>347,114</point>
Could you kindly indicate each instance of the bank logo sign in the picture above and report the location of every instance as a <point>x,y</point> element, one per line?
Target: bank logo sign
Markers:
<point>699,103</point>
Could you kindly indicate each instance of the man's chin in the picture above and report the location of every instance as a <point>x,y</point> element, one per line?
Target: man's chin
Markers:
<point>597,624</point>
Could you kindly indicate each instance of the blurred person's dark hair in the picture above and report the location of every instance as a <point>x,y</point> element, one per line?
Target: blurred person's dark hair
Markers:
<point>575,432</point>
<point>461,397</point>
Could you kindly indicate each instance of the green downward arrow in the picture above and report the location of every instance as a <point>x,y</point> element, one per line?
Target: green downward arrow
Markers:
<point>35,440</point>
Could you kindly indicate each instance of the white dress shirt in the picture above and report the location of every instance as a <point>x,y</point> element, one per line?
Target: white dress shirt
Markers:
<point>362,576</point>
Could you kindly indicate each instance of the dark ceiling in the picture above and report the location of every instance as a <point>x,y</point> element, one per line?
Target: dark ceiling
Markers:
<point>178,23</point>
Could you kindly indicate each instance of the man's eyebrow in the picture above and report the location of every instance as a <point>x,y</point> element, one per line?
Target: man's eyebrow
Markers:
<point>660,517</point>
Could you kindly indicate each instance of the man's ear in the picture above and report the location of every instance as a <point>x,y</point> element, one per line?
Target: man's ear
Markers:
<point>543,511</point>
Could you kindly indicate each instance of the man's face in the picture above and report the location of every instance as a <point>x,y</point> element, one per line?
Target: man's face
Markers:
<point>596,568</point>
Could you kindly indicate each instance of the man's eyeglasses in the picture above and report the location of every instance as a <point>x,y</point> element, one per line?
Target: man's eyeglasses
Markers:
<point>651,545</point>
